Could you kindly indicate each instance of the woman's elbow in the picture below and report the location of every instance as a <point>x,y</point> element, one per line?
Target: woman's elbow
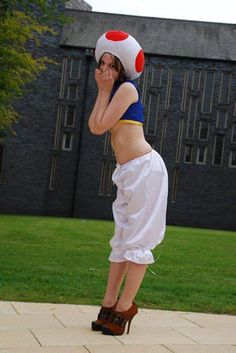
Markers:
<point>96,131</point>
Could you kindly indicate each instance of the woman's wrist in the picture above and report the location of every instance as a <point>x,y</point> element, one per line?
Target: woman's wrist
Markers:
<point>104,91</point>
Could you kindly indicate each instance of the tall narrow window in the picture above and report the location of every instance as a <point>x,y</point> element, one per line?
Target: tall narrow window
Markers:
<point>196,79</point>
<point>152,115</point>
<point>70,116</point>
<point>221,121</point>
<point>75,65</point>
<point>175,185</point>
<point>218,150</point>
<point>203,130</point>
<point>201,155</point>
<point>143,87</point>
<point>72,92</point>
<point>2,149</point>
<point>168,88</point>
<point>188,154</point>
<point>225,87</point>
<point>163,134</point>
<point>179,142</point>
<point>208,92</point>
<point>105,188</point>
<point>63,77</point>
<point>192,116</point>
<point>185,91</point>
<point>53,173</point>
<point>58,126</point>
<point>232,158</point>
<point>107,145</point>
<point>156,77</point>
<point>67,140</point>
<point>233,138</point>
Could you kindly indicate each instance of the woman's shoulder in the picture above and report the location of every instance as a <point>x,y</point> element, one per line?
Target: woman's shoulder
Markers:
<point>127,89</point>
<point>128,86</point>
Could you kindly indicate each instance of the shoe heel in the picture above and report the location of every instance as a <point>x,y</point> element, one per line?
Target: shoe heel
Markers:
<point>129,323</point>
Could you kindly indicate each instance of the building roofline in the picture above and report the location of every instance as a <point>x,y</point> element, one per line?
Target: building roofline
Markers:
<point>154,17</point>
<point>160,36</point>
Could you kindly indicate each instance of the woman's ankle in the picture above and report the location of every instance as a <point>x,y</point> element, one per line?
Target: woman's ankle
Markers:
<point>123,305</point>
<point>109,302</point>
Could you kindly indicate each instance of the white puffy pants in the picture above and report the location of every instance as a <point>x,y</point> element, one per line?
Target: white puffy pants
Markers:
<point>140,208</point>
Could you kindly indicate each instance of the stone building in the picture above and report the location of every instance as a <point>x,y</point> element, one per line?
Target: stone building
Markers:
<point>54,166</point>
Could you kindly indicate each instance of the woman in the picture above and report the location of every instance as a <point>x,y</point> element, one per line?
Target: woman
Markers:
<point>140,176</point>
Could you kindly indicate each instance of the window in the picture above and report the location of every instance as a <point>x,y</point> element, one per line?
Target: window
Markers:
<point>107,145</point>
<point>233,138</point>
<point>221,121</point>
<point>185,90</point>
<point>232,159</point>
<point>58,125</point>
<point>175,185</point>
<point>225,87</point>
<point>156,78</point>
<point>168,88</point>
<point>70,116</point>
<point>192,116</point>
<point>53,173</point>
<point>188,154</point>
<point>179,142</point>
<point>63,77</point>
<point>163,133</point>
<point>208,91</point>
<point>143,84</point>
<point>105,188</point>
<point>203,130</point>
<point>75,65</point>
<point>152,115</point>
<point>67,140</point>
<point>196,80</point>
<point>218,150</point>
<point>201,155</point>
<point>72,92</point>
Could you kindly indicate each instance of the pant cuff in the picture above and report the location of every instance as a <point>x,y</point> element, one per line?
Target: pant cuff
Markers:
<point>139,256</point>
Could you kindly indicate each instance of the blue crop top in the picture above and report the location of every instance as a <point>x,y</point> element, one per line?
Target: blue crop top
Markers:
<point>134,114</point>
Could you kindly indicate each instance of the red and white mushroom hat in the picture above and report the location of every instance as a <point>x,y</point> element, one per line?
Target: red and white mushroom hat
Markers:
<point>125,48</point>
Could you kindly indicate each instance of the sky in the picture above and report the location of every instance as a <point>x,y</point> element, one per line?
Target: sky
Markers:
<point>223,11</point>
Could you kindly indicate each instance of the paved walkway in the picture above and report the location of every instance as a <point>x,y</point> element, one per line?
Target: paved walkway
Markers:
<point>62,328</point>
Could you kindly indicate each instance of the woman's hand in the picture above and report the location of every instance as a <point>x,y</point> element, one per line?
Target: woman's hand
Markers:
<point>104,79</point>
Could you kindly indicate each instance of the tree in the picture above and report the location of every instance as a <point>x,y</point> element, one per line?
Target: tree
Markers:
<point>20,22</point>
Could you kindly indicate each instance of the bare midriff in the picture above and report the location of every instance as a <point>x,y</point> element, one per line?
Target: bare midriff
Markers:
<point>128,142</point>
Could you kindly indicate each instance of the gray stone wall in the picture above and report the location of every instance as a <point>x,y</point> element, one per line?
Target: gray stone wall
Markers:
<point>27,154</point>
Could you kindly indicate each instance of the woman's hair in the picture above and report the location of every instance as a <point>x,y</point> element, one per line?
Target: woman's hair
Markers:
<point>118,67</point>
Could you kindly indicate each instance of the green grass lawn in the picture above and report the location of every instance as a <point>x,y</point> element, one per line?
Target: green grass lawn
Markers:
<point>63,260</point>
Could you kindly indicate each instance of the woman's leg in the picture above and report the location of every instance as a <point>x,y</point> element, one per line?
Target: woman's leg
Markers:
<point>134,277</point>
<point>117,272</point>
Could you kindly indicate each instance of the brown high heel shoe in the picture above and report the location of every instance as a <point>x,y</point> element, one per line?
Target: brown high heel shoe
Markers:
<point>118,320</point>
<point>103,318</point>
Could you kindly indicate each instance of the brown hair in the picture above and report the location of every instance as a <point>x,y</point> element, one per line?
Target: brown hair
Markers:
<point>118,67</point>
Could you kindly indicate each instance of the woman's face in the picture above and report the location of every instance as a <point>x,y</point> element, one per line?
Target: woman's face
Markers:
<point>107,62</point>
